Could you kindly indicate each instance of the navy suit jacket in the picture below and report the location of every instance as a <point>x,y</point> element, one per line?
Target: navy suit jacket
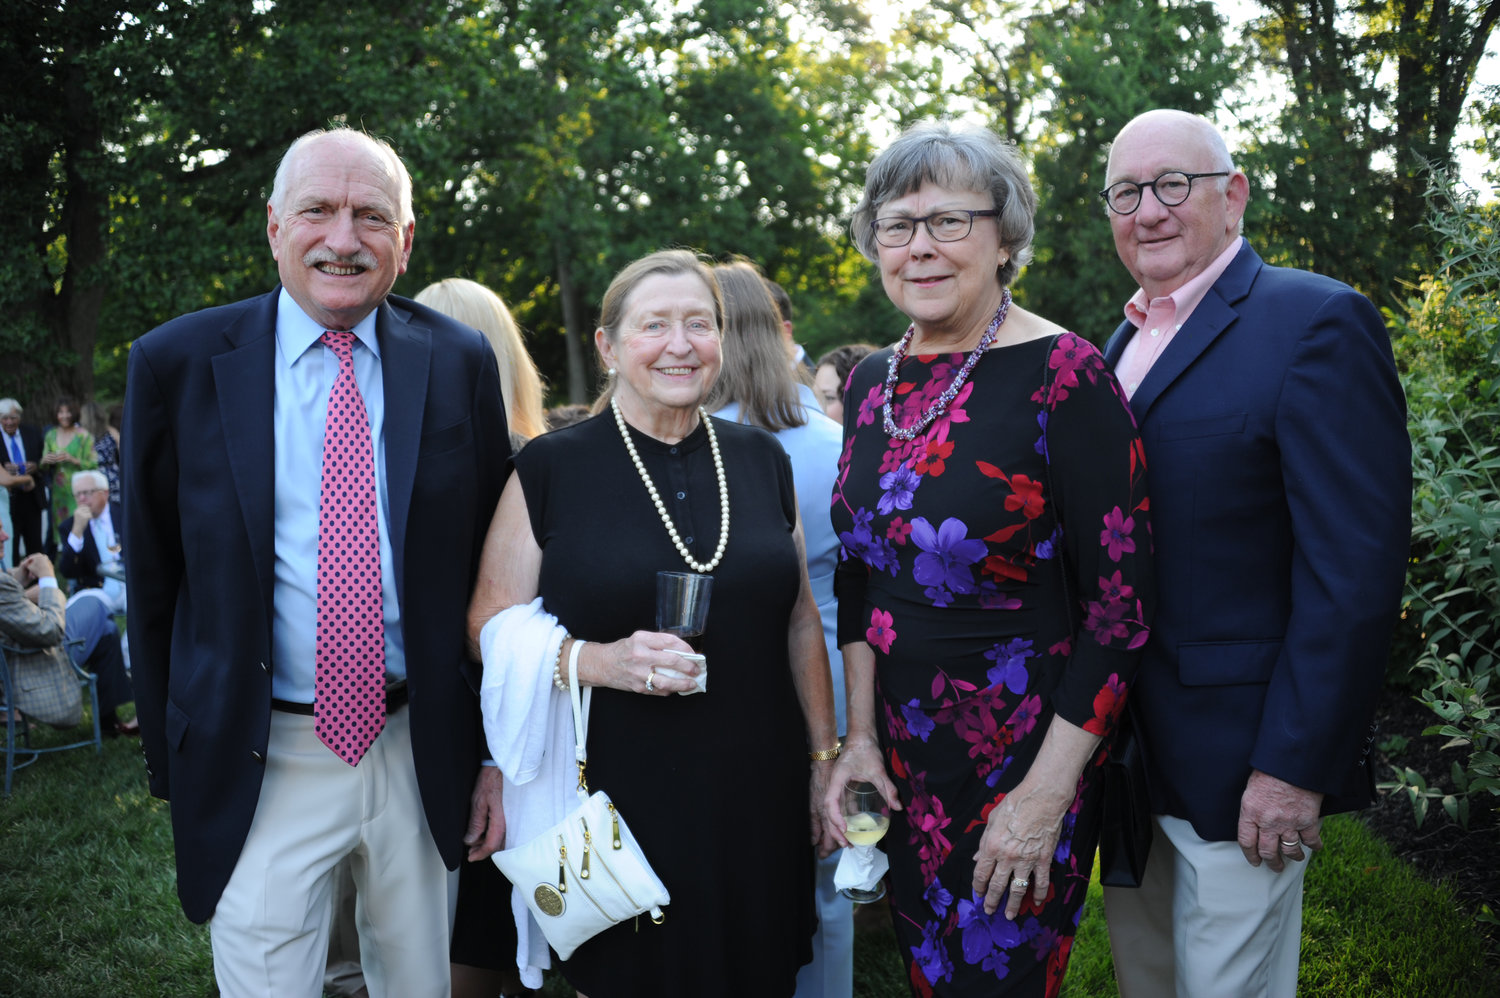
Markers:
<point>1275,431</point>
<point>83,566</point>
<point>199,497</point>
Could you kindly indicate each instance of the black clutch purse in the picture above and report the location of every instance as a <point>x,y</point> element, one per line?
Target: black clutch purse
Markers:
<point>1125,833</point>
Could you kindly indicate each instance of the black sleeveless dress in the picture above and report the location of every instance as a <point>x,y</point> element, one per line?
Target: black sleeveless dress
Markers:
<point>714,785</point>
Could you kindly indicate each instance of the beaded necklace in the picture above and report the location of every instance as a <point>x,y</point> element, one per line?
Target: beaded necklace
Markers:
<point>940,405</point>
<point>661,507</point>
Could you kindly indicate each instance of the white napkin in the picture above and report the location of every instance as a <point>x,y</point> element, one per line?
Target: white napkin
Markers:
<point>860,868</point>
<point>702,676</point>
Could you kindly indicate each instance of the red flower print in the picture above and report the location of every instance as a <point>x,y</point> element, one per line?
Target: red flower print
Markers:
<point>1026,495</point>
<point>932,456</point>
<point>898,531</point>
<point>880,633</point>
<point>1108,703</point>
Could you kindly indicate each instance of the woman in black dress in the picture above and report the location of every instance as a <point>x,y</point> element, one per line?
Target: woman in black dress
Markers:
<point>717,787</point>
<point>996,583</point>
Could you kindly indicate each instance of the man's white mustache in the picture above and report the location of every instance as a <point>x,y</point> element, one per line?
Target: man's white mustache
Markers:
<point>363,258</point>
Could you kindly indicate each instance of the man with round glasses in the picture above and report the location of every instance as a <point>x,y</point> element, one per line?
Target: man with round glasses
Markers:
<point>1275,427</point>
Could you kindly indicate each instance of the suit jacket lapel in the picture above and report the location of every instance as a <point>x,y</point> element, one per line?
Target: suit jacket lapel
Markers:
<point>405,355</point>
<point>1214,314</point>
<point>245,379</point>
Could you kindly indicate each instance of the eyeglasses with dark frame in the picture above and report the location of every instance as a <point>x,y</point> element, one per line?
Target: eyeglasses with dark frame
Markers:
<point>1171,189</point>
<point>943,226</point>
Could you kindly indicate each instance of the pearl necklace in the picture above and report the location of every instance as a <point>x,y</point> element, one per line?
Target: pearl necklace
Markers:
<point>940,406</point>
<point>661,507</point>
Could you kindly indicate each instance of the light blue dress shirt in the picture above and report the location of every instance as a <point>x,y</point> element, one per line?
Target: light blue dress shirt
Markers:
<point>814,448</point>
<point>305,372</point>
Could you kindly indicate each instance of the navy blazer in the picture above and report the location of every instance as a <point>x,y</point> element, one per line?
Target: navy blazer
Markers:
<point>1275,431</point>
<point>199,500</point>
<point>83,566</point>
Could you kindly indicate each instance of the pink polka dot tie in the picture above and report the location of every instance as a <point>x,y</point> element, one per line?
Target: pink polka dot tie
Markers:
<point>350,707</point>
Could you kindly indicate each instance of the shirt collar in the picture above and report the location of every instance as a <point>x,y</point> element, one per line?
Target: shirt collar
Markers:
<point>1187,297</point>
<point>295,330</point>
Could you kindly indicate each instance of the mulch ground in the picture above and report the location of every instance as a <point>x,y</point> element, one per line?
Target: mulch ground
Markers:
<point>1469,860</point>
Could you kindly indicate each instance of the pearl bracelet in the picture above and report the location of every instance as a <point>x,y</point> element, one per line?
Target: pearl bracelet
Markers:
<point>558,679</point>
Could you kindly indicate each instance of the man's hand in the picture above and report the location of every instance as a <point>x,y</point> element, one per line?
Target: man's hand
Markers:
<point>81,517</point>
<point>39,566</point>
<point>486,832</point>
<point>1278,819</point>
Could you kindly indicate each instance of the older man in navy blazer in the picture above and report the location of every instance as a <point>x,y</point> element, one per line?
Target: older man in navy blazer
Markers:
<point>234,416</point>
<point>1281,494</point>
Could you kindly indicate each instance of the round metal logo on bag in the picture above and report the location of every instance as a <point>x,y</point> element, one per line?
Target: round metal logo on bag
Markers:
<point>548,900</point>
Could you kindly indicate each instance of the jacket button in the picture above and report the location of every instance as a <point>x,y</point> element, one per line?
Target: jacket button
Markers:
<point>258,757</point>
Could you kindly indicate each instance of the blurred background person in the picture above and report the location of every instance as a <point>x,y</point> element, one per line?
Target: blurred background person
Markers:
<point>475,305</point>
<point>566,415</point>
<point>66,448</point>
<point>832,375</point>
<point>484,934</point>
<point>715,786</point>
<point>24,481</point>
<point>93,418</point>
<point>91,551</point>
<point>756,386</point>
<point>997,578</point>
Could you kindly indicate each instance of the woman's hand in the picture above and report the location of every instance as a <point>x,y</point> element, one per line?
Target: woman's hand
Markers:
<point>859,760</point>
<point>634,664</point>
<point>1020,837</point>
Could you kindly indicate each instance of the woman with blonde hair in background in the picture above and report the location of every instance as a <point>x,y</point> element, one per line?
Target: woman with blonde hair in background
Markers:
<point>475,305</point>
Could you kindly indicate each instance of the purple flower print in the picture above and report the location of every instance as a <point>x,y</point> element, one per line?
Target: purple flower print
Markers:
<point>877,552</point>
<point>1114,589</point>
<point>1010,664</point>
<point>1041,442</point>
<point>918,722</point>
<point>1105,622</point>
<point>938,897</point>
<point>899,486</point>
<point>1046,550</point>
<point>947,555</point>
<point>932,955</point>
<point>987,939</point>
<point>1116,534</point>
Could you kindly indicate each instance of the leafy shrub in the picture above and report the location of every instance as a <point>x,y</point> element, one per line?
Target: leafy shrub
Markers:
<point>1449,346</point>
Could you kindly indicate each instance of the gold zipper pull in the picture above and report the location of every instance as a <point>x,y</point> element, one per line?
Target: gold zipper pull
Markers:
<point>614,821</point>
<point>588,841</point>
<point>562,866</point>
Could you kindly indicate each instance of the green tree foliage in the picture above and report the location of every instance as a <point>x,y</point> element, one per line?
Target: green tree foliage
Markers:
<point>1449,341</point>
<point>1341,161</point>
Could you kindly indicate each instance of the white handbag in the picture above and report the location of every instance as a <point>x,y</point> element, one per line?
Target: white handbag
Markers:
<point>586,872</point>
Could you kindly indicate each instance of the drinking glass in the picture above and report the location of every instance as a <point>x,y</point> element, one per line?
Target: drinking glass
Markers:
<point>866,819</point>
<point>682,605</point>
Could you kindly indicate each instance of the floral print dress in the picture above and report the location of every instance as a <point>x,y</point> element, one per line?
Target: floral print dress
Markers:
<point>999,566</point>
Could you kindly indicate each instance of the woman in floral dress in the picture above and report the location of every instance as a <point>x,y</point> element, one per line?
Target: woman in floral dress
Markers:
<point>996,583</point>
<point>67,448</point>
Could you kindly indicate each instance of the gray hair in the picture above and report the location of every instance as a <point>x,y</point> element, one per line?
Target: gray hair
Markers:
<point>961,157</point>
<point>8,406</point>
<point>378,146</point>
<point>83,479</point>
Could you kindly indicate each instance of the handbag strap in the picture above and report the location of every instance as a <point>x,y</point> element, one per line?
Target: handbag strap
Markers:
<point>581,701</point>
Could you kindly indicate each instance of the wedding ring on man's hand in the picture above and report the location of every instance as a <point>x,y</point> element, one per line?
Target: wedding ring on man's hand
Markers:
<point>1020,884</point>
<point>651,680</point>
<point>1292,844</point>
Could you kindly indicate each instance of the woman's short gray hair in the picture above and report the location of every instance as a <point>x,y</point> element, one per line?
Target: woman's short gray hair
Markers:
<point>961,157</point>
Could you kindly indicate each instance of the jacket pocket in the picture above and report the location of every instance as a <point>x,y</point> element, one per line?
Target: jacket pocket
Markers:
<point>1227,663</point>
<point>1209,426</point>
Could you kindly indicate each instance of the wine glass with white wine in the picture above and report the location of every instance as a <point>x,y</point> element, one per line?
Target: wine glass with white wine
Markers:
<point>866,818</point>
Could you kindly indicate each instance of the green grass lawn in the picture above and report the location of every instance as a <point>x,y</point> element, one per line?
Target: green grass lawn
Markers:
<point>89,906</point>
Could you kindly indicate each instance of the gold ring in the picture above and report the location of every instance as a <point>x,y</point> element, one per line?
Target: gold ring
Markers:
<point>651,680</point>
<point>1020,884</point>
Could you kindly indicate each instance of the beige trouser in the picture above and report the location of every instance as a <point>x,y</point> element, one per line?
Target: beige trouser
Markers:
<point>1205,923</point>
<point>270,930</point>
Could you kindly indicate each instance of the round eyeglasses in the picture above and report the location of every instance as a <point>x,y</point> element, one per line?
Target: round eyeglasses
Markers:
<point>1171,189</point>
<point>944,226</point>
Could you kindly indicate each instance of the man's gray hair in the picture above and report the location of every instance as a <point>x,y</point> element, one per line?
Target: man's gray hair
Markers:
<point>88,479</point>
<point>379,146</point>
<point>8,406</point>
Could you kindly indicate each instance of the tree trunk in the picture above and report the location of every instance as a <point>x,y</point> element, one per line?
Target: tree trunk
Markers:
<point>577,336</point>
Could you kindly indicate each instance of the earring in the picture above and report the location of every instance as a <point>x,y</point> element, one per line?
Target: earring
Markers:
<point>610,373</point>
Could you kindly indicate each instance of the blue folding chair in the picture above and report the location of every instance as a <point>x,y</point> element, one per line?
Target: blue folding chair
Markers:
<point>18,733</point>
